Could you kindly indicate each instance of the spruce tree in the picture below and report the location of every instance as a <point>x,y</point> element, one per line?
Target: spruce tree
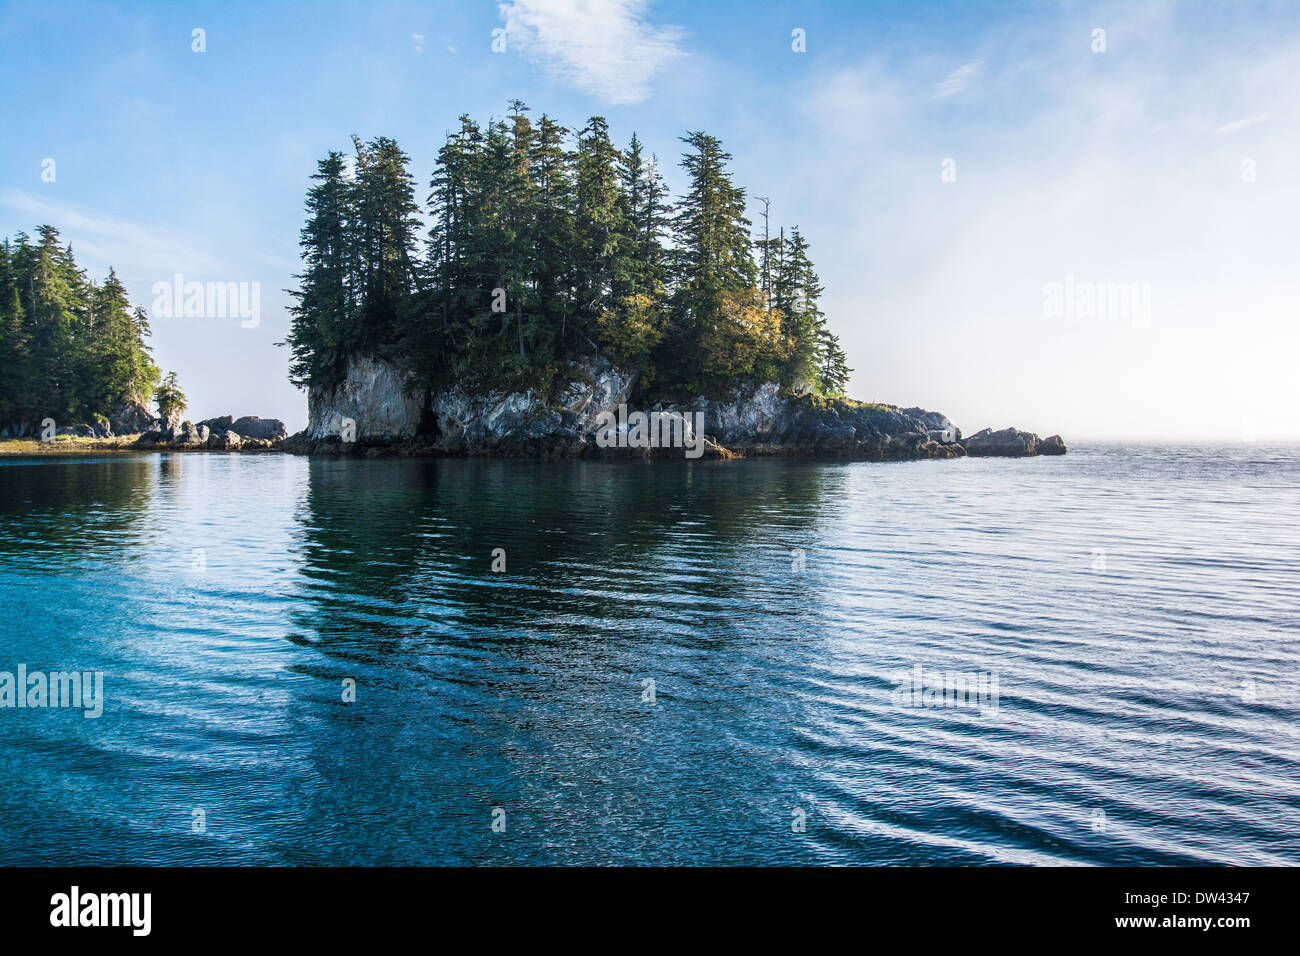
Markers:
<point>386,220</point>
<point>324,324</point>
<point>13,345</point>
<point>646,211</point>
<point>170,400</point>
<point>712,256</point>
<point>600,225</point>
<point>554,257</point>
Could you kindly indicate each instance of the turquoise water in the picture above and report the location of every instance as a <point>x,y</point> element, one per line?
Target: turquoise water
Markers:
<point>1138,611</point>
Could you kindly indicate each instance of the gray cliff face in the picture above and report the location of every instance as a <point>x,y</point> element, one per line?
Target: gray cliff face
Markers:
<point>751,421</point>
<point>372,396</point>
<point>521,420</point>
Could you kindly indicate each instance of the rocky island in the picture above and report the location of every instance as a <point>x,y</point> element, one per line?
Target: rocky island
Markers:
<point>375,407</point>
<point>561,305</point>
<point>560,284</point>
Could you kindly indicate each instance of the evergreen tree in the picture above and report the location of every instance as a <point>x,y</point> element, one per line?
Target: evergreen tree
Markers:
<point>170,400</point>
<point>384,227</point>
<point>120,367</point>
<point>454,239</point>
<point>554,255</point>
<point>539,256</point>
<point>600,226</point>
<point>801,318</point>
<point>55,316</point>
<point>635,324</point>
<point>69,349</point>
<point>645,270</point>
<point>325,320</point>
<point>712,256</point>
<point>834,372</point>
<point>519,226</point>
<point>13,344</point>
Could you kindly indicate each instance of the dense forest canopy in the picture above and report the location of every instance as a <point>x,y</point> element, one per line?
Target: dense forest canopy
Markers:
<point>70,350</point>
<point>551,246</point>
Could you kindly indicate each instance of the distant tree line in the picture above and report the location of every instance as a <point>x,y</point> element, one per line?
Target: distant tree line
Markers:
<point>70,349</point>
<point>550,246</point>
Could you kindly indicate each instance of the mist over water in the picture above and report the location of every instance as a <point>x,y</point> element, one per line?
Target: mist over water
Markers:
<point>1138,610</point>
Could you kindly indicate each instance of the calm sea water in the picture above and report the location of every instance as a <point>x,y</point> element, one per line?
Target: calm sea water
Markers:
<point>1138,611</point>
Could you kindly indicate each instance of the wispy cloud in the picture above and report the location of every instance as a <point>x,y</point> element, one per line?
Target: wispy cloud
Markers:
<point>958,80</point>
<point>418,38</point>
<point>1237,125</point>
<point>100,240</point>
<point>606,48</point>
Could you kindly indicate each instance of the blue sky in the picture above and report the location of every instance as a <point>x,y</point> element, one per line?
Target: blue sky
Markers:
<point>1167,164</point>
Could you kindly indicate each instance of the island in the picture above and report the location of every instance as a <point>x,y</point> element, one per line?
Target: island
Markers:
<point>560,304</point>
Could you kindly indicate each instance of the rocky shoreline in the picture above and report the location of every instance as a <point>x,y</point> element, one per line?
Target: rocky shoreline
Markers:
<point>373,412</point>
<point>375,408</point>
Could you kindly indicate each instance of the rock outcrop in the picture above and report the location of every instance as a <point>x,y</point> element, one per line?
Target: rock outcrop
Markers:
<point>1052,445</point>
<point>218,434</point>
<point>132,418</point>
<point>376,409</point>
<point>1011,443</point>
<point>263,429</point>
<point>228,440</point>
<point>372,401</point>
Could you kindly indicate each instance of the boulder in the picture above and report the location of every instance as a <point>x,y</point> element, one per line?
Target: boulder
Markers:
<point>228,440</point>
<point>523,422</point>
<point>1052,445</point>
<point>186,434</point>
<point>267,429</point>
<point>218,424</point>
<point>937,426</point>
<point>131,418</point>
<point>1006,443</point>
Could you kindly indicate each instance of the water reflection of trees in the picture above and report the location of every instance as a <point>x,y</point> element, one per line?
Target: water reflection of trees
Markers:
<point>61,508</point>
<point>394,547</point>
<point>522,688</point>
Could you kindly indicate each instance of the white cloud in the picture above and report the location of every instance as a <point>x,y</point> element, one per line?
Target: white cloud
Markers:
<point>958,80</point>
<point>605,48</point>
<point>101,241</point>
<point>1240,124</point>
<point>419,42</point>
<point>1064,174</point>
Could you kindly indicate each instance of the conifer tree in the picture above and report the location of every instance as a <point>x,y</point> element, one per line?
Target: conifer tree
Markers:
<point>539,256</point>
<point>170,400</point>
<point>600,225</point>
<point>646,212</point>
<point>385,224</point>
<point>442,339</point>
<point>13,344</point>
<point>324,322</point>
<point>712,256</point>
<point>554,257</point>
